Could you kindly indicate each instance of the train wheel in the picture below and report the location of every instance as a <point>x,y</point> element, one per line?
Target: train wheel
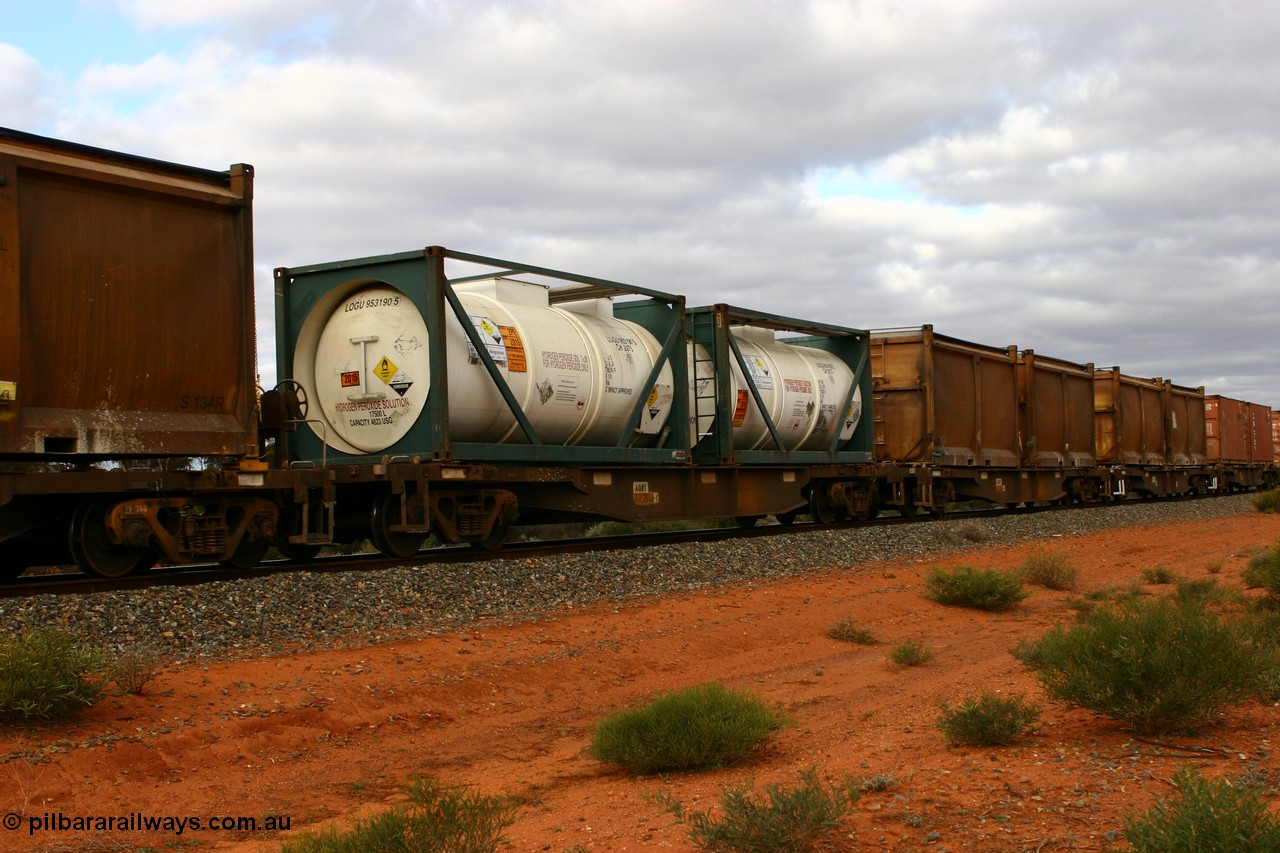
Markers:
<point>248,553</point>
<point>823,512</point>
<point>746,521</point>
<point>382,514</point>
<point>93,550</point>
<point>497,536</point>
<point>787,519</point>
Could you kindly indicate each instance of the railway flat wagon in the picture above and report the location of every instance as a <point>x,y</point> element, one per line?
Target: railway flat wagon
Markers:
<point>454,394</point>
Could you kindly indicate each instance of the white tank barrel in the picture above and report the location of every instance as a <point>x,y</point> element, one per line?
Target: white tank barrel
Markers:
<point>576,370</point>
<point>802,389</point>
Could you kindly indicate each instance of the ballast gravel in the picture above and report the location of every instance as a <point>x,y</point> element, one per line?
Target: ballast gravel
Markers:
<point>303,610</point>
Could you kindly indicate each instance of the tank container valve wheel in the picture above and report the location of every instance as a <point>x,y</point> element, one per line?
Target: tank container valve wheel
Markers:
<point>297,397</point>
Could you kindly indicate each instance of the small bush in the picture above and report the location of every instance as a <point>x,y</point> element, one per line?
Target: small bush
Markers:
<point>1263,570</point>
<point>1159,574</point>
<point>1156,665</point>
<point>911,653</point>
<point>1027,652</point>
<point>988,720</point>
<point>878,782</point>
<point>1267,501</point>
<point>782,821</point>
<point>46,673</point>
<point>967,586</point>
<point>701,727</point>
<point>848,631</point>
<point>1203,591</point>
<point>132,669</point>
<point>1050,569</point>
<point>1205,815</point>
<point>437,819</point>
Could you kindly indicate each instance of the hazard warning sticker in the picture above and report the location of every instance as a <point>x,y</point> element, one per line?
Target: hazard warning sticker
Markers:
<point>350,378</point>
<point>491,337</point>
<point>393,376</point>
<point>385,370</point>
<point>740,410</point>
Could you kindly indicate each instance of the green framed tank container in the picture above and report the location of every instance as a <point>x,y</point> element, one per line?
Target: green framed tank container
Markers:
<point>448,356</point>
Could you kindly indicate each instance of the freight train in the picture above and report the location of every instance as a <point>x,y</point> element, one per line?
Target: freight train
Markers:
<point>440,393</point>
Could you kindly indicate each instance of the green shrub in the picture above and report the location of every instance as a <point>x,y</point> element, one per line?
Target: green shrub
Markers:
<point>1202,591</point>
<point>1267,501</point>
<point>988,720</point>
<point>437,819</point>
<point>1156,665</point>
<point>878,782</point>
<point>782,821</point>
<point>1263,570</point>
<point>46,673</point>
<point>1215,815</point>
<point>1049,569</point>
<point>967,586</point>
<point>911,653</point>
<point>848,631</point>
<point>1159,574</point>
<point>701,727</point>
<point>1027,652</point>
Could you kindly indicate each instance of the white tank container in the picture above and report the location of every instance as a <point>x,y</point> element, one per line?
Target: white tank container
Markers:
<point>575,369</point>
<point>801,388</point>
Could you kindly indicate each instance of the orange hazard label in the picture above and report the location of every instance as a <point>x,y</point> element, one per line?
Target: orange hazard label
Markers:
<point>515,350</point>
<point>740,410</point>
<point>350,378</point>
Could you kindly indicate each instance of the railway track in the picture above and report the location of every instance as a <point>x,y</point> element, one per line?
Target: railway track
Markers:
<point>71,582</point>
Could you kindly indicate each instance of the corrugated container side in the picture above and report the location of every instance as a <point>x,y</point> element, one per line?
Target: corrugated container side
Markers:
<point>1227,429</point>
<point>126,288</point>
<point>1057,412</point>
<point>1129,418</point>
<point>1260,446</point>
<point>1187,439</point>
<point>944,400</point>
<point>1275,436</point>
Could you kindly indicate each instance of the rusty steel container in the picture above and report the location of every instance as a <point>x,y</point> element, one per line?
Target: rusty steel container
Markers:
<point>1275,436</point>
<point>1186,437</point>
<point>1238,432</point>
<point>944,401</point>
<point>1129,419</point>
<point>126,300</point>
<point>1056,412</point>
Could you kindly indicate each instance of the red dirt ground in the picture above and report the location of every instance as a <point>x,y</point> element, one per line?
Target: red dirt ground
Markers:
<point>327,736</point>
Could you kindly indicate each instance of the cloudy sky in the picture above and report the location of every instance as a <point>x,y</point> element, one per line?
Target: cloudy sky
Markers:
<point>1097,180</point>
